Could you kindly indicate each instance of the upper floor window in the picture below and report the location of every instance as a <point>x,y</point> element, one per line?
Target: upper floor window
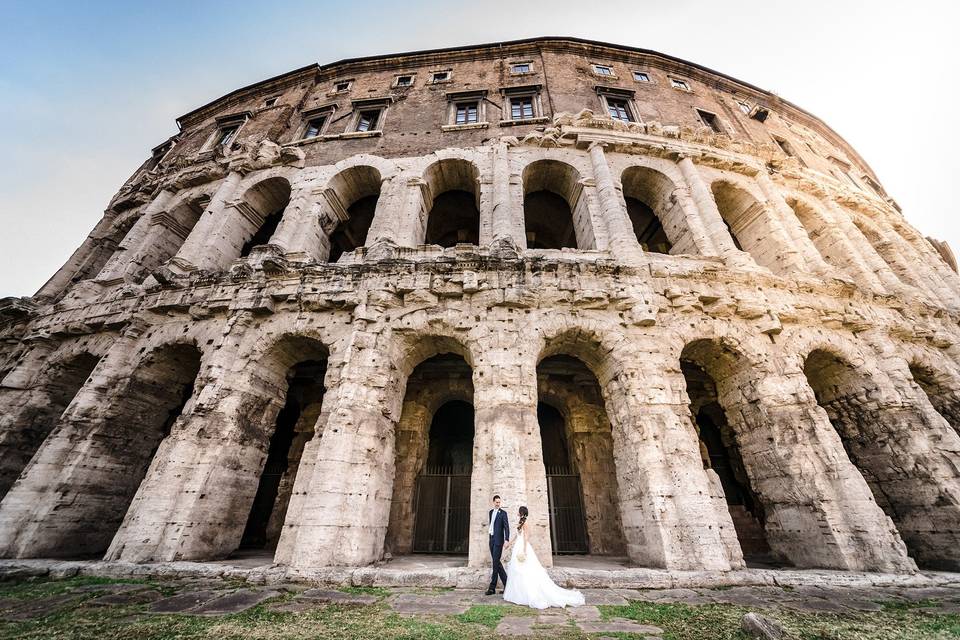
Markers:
<point>159,153</point>
<point>466,108</point>
<point>314,126</point>
<point>342,85</point>
<point>744,106</point>
<point>441,76</point>
<point>368,120</point>
<point>521,108</point>
<point>520,67</point>
<point>679,84</point>
<point>404,81</point>
<point>522,103</point>
<point>467,113</point>
<point>269,102</point>
<point>711,120</point>
<point>602,70</point>
<point>226,133</point>
<point>641,76</point>
<point>619,109</point>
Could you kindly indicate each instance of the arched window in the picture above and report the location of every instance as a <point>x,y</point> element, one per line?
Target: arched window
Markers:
<point>554,210</point>
<point>454,216</point>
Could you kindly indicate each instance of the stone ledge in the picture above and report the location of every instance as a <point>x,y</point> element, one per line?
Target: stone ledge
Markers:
<point>472,577</point>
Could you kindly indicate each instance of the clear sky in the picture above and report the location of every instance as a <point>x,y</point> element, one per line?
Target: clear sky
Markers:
<point>88,88</point>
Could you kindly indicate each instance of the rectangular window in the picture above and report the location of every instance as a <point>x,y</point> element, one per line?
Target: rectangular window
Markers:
<point>744,106</point>
<point>467,113</point>
<point>521,108</point>
<point>602,70</point>
<point>619,109</point>
<point>367,121</point>
<point>640,76</point>
<point>269,102</point>
<point>679,84</point>
<point>226,135</point>
<point>404,81</point>
<point>314,126</point>
<point>710,119</point>
<point>523,67</point>
<point>341,86</point>
<point>441,76</point>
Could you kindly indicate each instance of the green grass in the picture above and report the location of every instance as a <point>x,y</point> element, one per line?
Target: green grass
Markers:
<point>490,615</point>
<point>380,592</point>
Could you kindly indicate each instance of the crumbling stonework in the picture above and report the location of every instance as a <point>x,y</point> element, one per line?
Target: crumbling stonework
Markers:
<point>696,343</point>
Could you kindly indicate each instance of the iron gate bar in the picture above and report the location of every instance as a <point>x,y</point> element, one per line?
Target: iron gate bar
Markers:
<point>442,516</point>
<point>568,529</point>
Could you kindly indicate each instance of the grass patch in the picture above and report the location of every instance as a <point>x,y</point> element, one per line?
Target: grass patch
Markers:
<point>490,615</point>
<point>380,592</point>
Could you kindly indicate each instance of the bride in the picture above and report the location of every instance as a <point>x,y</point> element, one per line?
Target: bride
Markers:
<point>527,580</point>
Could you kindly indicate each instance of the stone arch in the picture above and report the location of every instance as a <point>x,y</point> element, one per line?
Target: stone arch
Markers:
<point>351,197</point>
<point>886,250</point>
<point>887,440</point>
<point>749,222</point>
<point>940,382</point>
<point>176,223</point>
<point>107,245</point>
<point>577,442</point>
<point>657,216</point>
<point>556,214</point>
<point>262,206</point>
<point>453,199</point>
<point>829,241</point>
<point>61,381</point>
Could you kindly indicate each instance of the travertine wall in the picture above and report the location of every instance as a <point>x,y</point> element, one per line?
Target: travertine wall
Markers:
<point>143,384</point>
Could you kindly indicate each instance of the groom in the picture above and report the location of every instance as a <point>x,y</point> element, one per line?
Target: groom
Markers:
<point>499,530</point>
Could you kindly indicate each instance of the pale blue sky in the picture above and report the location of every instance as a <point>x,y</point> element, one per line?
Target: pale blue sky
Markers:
<point>87,88</point>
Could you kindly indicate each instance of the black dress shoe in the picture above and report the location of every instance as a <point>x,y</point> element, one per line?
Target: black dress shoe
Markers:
<point>490,592</point>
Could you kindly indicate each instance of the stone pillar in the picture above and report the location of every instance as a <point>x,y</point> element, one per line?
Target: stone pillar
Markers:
<point>140,241</point>
<point>195,499</point>
<point>701,242</point>
<point>669,521</point>
<point>508,229</point>
<point>299,233</point>
<point>710,216</point>
<point>49,512</point>
<point>341,507</point>
<point>205,247</point>
<point>843,251</point>
<point>73,268</point>
<point>809,254</point>
<point>507,452</point>
<point>622,241</point>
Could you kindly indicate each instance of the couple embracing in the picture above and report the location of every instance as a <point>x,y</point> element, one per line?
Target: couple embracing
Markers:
<point>528,582</point>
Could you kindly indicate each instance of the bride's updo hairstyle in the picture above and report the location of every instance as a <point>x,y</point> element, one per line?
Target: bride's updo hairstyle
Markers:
<point>523,517</point>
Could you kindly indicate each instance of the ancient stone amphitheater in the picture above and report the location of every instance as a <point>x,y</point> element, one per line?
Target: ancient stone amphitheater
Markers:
<point>673,314</point>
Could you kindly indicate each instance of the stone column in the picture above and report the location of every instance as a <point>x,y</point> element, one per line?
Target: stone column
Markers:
<point>141,240</point>
<point>842,249</point>
<point>710,216</point>
<point>299,234</point>
<point>73,268</point>
<point>507,452</point>
<point>809,254</point>
<point>341,507</point>
<point>669,521</point>
<point>50,511</point>
<point>622,240</point>
<point>205,248</point>
<point>507,222</point>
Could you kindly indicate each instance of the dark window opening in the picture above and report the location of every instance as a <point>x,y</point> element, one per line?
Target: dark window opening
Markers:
<point>352,233</point>
<point>710,119</point>
<point>453,219</point>
<point>341,86</point>
<point>269,102</point>
<point>441,76</point>
<point>619,109</point>
<point>548,221</point>
<point>647,226</point>
<point>368,120</point>
<point>602,70</point>
<point>404,81</point>
<point>263,234</point>
<point>227,134</point>
<point>314,127</point>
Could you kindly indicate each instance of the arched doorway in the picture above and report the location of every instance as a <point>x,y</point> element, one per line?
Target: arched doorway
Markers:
<point>454,217</point>
<point>267,201</point>
<point>554,210</point>
<point>652,205</point>
<point>294,427</point>
<point>942,390</point>
<point>568,526</point>
<point>353,194</point>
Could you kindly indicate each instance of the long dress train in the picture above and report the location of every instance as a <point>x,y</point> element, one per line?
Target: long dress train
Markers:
<point>528,583</point>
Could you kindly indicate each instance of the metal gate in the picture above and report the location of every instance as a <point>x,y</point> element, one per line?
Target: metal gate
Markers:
<point>568,527</point>
<point>442,520</point>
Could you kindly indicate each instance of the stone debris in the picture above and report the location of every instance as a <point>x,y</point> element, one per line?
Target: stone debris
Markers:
<point>758,626</point>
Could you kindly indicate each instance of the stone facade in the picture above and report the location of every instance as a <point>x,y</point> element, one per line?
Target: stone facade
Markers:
<point>716,321</point>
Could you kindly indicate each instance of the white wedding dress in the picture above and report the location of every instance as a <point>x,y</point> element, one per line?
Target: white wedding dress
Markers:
<point>528,583</point>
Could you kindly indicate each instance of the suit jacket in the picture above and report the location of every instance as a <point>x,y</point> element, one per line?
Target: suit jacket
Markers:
<point>501,527</point>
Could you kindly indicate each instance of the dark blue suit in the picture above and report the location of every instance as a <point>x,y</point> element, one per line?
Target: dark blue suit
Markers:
<point>501,534</point>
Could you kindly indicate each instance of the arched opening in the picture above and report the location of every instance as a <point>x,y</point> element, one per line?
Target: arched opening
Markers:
<point>62,381</point>
<point>353,194</point>
<point>749,224</point>
<point>577,441</point>
<point>104,248</point>
<point>887,252</point>
<point>294,427</point>
<point>266,200</point>
<point>831,245</point>
<point>554,210</point>
<point>721,454</point>
<point>942,391</point>
<point>430,512</point>
<point>176,226</point>
<point>93,502</point>
<point>653,209</point>
<point>863,419</point>
<point>454,215</point>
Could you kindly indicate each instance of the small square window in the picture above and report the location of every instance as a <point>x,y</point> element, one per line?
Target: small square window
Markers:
<point>619,109</point>
<point>602,70</point>
<point>640,76</point>
<point>441,76</point>
<point>269,102</point>
<point>343,85</point>
<point>368,120</point>
<point>521,108</point>
<point>404,81</point>
<point>467,113</point>
<point>522,67</point>
<point>227,134</point>
<point>679,84</point>
<point>744,106</point>
<point>710,119</point>
<point>314,127</point>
